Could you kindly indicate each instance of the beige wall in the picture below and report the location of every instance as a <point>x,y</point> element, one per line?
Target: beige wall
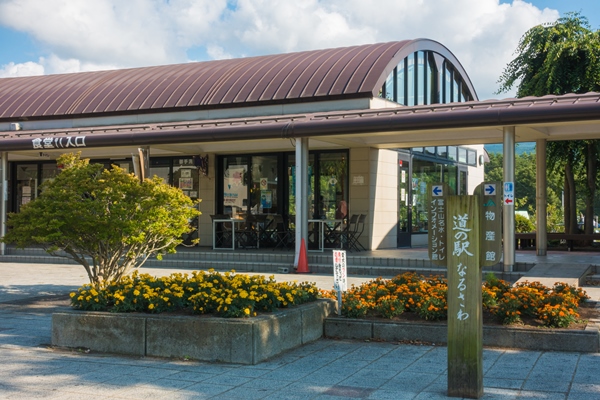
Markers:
<point>207,206</point>
<point>373,191</point>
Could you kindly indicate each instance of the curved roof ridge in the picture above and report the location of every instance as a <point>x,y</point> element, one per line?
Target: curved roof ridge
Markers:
<point>317,75</point>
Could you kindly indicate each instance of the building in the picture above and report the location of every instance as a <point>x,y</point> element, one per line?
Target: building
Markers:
<point>357,129</point>
<point>62,113</point>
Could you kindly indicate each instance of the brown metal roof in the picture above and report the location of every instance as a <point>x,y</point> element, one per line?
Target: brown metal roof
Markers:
<point>349,72</point>
<point>548,110</point>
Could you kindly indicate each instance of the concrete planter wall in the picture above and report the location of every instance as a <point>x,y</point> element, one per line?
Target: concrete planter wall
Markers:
<point>587,340</point>
<point>243,341</point>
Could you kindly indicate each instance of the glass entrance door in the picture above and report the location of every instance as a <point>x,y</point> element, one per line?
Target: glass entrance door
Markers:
<point>27,184</point>
<point>404,203</point>
<point>462,181</point>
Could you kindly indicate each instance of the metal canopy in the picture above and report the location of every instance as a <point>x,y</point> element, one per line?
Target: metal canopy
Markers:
<point>567,117</point>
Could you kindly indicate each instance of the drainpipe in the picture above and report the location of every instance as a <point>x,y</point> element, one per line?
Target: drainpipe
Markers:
<point>541,196</point>
<point>509,209</point>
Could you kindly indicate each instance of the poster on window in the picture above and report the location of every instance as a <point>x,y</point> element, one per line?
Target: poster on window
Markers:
<point>186,183</point>
<point>235,192</point>
<point>266,198</point>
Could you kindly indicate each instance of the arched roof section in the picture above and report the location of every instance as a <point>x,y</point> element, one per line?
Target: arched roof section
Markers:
<point>319,75</point>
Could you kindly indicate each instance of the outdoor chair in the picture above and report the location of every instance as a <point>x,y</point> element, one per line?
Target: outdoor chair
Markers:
<point>222,232</point>
<point>348,231</point>
<point>248,234</point>
<point>354,236</point>
<point>283,234</point>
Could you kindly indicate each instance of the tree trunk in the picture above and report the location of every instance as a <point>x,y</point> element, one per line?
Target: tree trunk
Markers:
<point>570,200</point>
<point>592,170</point>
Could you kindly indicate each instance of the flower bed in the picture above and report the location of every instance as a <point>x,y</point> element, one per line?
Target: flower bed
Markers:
<point>427,297</point>
<point>224,295</point>
<point>413,308</point>
<point>121,317</point>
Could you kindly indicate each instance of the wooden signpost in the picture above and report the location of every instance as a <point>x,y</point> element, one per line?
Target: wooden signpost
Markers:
<point>465,325</point>
<point>465,234</point>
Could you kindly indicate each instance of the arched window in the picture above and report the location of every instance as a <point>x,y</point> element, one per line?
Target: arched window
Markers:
<point>418,80</point>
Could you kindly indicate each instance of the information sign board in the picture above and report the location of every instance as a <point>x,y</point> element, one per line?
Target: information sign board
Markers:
<point>436,214</point>
<point>509,194</point>
<point>490,217</point>
<point>340,277</point>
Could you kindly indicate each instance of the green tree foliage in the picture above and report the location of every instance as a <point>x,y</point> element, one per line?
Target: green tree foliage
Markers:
<point>525,180</point>
<point>106,220</point>
<point>560,58</point>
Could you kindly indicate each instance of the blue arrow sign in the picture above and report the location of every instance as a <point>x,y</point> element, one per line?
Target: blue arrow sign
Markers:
<point>490,190</point>
<point>437,190</point>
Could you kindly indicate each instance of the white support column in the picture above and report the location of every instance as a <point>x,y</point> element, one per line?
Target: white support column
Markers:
<point>301,195</point>
<point>3,198</point>
<point>541,196</point>
<point>509,209</point>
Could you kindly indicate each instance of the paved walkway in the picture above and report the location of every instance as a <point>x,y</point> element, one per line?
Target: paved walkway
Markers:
<point>326,369</point>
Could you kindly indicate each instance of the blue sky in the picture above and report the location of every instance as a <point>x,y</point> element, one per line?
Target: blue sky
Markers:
<point>63,36</point>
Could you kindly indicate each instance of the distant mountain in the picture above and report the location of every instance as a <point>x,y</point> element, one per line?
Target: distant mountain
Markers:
<point>520,148</point>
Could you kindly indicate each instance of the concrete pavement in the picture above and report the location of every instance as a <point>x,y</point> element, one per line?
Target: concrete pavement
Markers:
<point>326,369</point>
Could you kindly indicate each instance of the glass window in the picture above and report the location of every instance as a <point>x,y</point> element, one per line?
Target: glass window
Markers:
<point>333,186</point>
<point>235,185</point>
<point>430,150</point>
<point>410,81</point>
<point>49,171</point>
<point>448,83</point>
<point>263,186</point>
<point>462,155</point>
<point>465,93</point>
<point>432,98</point>
<point>452,153</point>
<point>27,184</point>
<point>417,149</point>
<point>455,93</point>
<point>400,83</point>
<point>424,172</point>
<point>420,78</point>
<point>185,176</point>
<point>328,185</point>
<point>451,177</point>
<point>471,157</point>
<point>390,93</point>
<point>161,167</point>
<point>442,151</point>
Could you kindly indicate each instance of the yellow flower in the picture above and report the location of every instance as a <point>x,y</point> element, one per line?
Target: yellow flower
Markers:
<point>72,294</point>
<point>136,292</point>
<point>150,306</point>
<point>247,311</point>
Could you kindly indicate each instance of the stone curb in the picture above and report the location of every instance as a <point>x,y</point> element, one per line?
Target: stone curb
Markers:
<point>232,340</point>
<point>587,341</point>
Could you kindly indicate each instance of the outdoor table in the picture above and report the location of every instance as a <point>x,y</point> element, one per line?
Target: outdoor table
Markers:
<point>234,222</point>
<point>326,229</point>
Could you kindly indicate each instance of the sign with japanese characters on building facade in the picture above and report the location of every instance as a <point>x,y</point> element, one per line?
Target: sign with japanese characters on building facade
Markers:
<point>490,222</point>
<point>436,213</point>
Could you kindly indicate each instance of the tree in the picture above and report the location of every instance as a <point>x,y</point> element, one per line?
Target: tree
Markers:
<point>560,58</point>
<point>106,220</point>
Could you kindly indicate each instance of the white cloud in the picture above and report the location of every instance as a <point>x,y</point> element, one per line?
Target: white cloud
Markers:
<point>86,35</point>
<point>29,68</point>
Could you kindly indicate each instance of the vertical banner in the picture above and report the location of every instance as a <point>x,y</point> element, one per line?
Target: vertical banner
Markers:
<point>436,218</point>
<point>465,325</point>
<point>490,217</point>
